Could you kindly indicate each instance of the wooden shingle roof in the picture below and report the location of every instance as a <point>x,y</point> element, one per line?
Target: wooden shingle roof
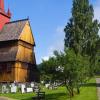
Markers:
<point>12,30</point>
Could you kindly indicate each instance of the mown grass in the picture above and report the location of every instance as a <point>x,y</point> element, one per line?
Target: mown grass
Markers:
<point>87,92</point>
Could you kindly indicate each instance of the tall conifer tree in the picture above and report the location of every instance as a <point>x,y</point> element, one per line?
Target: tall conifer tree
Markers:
<point>81,32</point>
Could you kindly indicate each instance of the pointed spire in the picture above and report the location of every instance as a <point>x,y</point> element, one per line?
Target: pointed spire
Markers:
<point>9,13</point>
<point>4,16</point>
<point>2,5</point>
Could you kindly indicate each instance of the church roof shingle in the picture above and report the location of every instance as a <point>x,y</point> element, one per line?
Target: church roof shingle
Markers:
<point>12,30</point>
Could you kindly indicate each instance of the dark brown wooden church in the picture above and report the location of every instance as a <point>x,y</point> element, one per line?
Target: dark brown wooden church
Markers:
<point>17,56</point>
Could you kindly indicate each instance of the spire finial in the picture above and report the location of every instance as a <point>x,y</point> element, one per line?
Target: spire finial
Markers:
<point>9,13</point>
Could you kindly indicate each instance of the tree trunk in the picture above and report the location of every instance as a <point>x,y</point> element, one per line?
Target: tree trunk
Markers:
<point>78,90</point>
<point>72,92</point>
<point>65,80</point>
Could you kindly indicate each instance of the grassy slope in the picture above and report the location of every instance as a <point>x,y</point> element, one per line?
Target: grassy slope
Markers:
<point>87,93</point>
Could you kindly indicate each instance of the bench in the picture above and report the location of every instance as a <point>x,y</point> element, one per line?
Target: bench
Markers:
<point>40,96</point>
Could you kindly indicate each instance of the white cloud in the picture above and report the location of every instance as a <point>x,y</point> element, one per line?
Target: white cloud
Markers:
<point>58,43</point>
<point>45,58</point>
<point>59,46</point>
<point>60,30</point>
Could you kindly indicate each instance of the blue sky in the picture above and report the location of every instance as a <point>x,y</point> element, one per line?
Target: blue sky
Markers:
<point>47,18</point>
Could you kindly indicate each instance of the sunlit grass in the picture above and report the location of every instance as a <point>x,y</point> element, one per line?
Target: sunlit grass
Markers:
<point>87,92</point>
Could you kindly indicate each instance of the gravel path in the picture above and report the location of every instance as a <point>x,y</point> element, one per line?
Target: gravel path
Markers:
<point>98,87</point>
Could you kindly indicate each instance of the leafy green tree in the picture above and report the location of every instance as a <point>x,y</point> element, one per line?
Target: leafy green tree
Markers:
<point>79,58</point>
<point>75,69</point>
<point>48,69</point>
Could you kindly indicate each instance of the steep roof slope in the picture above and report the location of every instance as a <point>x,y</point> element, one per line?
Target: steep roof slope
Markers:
<point>12,30</point>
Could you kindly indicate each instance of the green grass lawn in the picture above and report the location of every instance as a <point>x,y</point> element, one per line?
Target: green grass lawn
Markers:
<point>88,92</point>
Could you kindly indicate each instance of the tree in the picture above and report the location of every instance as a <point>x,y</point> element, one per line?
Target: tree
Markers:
<point>48,69</point>
<point>81,32</point>
<point>78,59</point>
<point>68,67</point>
<point>75,69</point>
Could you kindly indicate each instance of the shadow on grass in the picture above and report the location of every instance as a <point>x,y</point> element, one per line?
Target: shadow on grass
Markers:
<point>27,99</point>
<point>54,96</point>
<point>91,85</point>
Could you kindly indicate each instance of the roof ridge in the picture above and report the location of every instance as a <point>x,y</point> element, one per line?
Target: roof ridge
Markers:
<point>18,21</point>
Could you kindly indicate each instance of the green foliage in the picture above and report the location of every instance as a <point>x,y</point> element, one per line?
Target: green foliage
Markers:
<point>81,36</point>
<point>75,70</point>
<point>48,69</point>
<point>78,62</point>
<point>81,32</point>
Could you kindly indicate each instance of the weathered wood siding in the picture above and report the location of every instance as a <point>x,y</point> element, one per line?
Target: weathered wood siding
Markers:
<point>25,54</point>
<point>23,68</point>
<point>25,46</point>
<point>21,72</point>
<point>7,76</point>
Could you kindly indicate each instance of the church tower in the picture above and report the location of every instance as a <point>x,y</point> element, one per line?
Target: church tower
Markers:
<point>4,16</point>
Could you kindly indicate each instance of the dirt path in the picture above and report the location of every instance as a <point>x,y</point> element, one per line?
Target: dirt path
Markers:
<point>5,98</point>
<point>98,87</point>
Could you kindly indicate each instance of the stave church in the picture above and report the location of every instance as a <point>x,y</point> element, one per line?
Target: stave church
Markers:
<point>17,56</point>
